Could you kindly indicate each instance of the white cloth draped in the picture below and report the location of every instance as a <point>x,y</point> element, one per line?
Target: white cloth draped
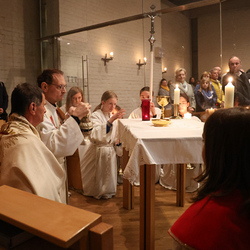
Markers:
<point>99,166</point>
<point>178,143</point>
<point>27,164</point>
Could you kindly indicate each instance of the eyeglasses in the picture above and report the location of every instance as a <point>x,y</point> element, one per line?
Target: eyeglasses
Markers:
<point>61,87</point>
<point>183,103</point>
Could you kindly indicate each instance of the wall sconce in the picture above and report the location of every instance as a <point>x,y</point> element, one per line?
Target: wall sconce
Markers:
<point>107,59</point>
<point>164,70</point>
<point>140,63</point>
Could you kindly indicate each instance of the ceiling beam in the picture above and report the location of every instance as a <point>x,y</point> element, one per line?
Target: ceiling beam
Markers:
<point>135,17</point>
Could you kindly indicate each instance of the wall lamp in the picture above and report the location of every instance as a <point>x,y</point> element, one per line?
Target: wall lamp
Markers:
<point>141,63</point>
<point>107,59</point>
<point>164,70</point>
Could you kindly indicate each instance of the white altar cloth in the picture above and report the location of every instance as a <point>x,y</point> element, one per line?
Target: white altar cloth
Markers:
<point>178,143</point>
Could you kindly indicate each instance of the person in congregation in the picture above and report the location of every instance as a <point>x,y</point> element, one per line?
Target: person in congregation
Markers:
<point>99,169</point>
<point>164,91</point>
<point>154,111</point>
<point>4,99</point>
<point>206,97</point>
<point>192,82</point>
<point>219,218</point>
<point>163,88</point>
<point>239,80</point>
<point>62,135</point>
<point>169,171</point>
<point>180,80</point>
<point>25,162</point>
<point>219,72</point>
<point>217,87</point>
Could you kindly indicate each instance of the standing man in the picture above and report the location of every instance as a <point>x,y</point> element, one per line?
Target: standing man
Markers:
<point>217,87</point>
<point>61,136</point>
<point>240,81</point>
<point>25,162</point>
<point>3,102</point>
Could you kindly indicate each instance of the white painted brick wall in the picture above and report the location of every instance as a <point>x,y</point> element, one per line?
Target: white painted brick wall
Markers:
<point>20,56</point>
<point>19,49</point>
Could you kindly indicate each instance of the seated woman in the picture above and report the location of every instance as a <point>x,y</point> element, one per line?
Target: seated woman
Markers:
<point>99,168</point>
<point>219,218</point>
<point>169,171</point>
<point>154,112</point>
<point>206,97</point>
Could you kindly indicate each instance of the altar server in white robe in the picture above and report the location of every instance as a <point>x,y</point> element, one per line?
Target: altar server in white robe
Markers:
<point>154,113</point>
<point>169,171</point>
<point>62,135</point>
<point>25,162</point>
<point>99,169</point>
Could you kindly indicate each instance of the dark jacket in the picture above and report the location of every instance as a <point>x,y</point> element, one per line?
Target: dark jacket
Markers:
<point>3,101</point>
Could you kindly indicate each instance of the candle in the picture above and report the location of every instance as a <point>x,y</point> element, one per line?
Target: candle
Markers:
<point>151,74</point>
<point>176,95</point>
<point>187,116</point>
<point>210,111</point>
<point>229,94</point>
<point>145,107</point>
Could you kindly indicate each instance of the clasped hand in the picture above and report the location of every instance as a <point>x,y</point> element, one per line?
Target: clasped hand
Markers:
<point>80,111</point>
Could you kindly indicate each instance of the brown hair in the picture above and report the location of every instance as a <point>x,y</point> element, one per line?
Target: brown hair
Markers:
<point>47,76</point>
<point>105,96</point>
<point>73,91</point>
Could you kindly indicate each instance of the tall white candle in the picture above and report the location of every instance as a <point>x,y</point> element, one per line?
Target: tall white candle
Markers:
<point>229,94</point>
<point>176,95</point>
<point>151,73</point>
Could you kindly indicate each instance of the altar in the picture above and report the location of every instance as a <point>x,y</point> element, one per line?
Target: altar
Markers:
<point>145,146</point>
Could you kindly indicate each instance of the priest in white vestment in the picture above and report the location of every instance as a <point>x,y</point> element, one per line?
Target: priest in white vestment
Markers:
<point>25,162</point>
<point>62,135</point>
<point>99,168</point>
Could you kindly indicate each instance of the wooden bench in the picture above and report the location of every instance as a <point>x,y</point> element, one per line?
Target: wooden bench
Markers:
<point>62,225</point>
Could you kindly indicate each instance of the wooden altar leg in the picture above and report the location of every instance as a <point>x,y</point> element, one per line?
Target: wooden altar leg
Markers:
<point>128,189</point>
<point>181,184</point>
<point>147,207</point>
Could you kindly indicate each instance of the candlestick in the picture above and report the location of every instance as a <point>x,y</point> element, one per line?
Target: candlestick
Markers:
<point>229,94</point>
<point>176,95</point>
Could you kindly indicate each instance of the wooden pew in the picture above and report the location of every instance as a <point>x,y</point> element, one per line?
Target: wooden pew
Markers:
<point>62,226</point>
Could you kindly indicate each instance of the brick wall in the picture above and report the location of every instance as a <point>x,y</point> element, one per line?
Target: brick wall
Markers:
<point>19,47</point>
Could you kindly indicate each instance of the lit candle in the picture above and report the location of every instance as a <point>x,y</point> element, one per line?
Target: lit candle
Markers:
<point>229,94</point>
<point>187,116</point>
<point>210,111</point>
<point>176,95</point>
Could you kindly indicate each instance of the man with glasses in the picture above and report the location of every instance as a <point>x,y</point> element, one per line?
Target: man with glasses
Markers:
<point>62,135</point>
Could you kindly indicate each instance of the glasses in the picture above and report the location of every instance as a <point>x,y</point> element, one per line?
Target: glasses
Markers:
<point>182,103</point>
<point>61,87</point>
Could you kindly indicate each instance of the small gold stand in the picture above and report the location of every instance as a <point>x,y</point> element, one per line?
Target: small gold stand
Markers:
<point>176,112</point>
